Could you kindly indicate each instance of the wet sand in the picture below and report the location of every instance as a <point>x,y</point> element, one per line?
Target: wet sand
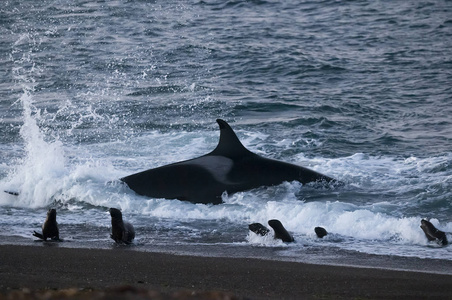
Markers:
<point>55,272</point>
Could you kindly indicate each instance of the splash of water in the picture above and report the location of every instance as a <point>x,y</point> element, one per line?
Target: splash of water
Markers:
<point>37,175</point>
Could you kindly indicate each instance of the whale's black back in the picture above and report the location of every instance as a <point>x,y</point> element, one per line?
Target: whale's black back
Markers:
<point>230,168</point>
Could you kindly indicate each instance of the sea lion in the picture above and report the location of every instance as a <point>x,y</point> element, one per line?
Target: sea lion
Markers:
<point>49,228</point>
<point>280,232</point>
<point>320,231</point>
<point>259,229</point>
<point>433,234</point>
<point>122,232</point>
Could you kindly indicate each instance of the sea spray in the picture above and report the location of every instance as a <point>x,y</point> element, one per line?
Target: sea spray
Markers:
<point>37,177</point>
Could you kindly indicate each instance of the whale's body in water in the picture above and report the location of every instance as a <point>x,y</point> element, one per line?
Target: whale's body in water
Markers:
<point>230,168</point>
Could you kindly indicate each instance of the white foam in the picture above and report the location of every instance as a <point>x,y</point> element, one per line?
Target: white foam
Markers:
<point>37,176</point>
<point>268,240</point>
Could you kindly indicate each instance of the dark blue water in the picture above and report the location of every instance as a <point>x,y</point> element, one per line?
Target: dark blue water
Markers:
<point>358,90</point>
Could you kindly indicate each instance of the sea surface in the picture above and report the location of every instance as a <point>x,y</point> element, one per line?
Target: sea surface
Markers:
<point>92,91</point>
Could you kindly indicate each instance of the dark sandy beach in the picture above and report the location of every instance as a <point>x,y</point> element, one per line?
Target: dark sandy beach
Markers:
<point>53,272</point>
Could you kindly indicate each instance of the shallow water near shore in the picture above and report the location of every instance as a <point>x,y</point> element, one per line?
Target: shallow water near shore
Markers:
<point>92,92</point>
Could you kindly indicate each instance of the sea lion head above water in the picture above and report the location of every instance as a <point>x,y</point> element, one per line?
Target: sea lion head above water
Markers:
<point>281,232</point>
<point>259,229</point>
<point>432,233</point>
<point>320,231</point>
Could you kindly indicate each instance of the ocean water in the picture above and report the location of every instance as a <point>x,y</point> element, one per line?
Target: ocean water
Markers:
<point>361,91</point>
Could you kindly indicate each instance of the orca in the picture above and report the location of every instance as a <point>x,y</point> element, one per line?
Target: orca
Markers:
<point>229,168</point>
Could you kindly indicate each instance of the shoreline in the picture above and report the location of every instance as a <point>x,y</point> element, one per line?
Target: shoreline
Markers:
<point>335,257</point>
<point>51,268</point>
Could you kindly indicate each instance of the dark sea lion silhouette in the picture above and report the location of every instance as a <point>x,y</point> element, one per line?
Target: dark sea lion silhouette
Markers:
<point>230,168</point>
<point>121,231</point>
<point>433,234</point>
<point>320,231</point>
<point>49,228</point>
<point>259,229</point>
<point>281,232</point>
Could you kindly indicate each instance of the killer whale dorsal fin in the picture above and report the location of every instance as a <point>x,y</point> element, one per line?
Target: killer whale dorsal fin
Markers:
<point>229,144</point>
